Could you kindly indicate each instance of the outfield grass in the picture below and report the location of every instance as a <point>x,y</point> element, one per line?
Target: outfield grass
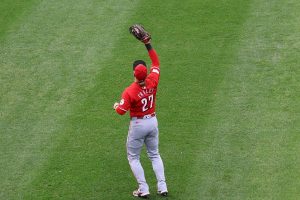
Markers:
<point>228,100</point>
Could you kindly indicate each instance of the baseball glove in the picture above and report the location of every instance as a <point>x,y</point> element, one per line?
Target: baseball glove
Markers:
<point>139,32</point>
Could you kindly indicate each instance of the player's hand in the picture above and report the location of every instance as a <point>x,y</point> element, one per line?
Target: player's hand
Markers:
<point>139,32</point>
<point>147,41</point>
<point>115,105</point>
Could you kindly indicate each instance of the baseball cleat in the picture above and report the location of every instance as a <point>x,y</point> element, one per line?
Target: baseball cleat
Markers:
<point>162,193</point>
<point>137,193</point>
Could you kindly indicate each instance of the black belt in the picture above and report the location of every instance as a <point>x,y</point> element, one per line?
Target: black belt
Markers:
<point>144,117</point>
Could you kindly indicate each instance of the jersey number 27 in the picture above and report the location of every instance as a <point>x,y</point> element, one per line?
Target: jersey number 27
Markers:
<point>147,102</point>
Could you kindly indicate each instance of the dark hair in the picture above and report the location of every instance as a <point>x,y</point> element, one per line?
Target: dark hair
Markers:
<point>137,62</point>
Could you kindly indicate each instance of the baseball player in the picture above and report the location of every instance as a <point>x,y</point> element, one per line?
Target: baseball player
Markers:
<point>139,98</point>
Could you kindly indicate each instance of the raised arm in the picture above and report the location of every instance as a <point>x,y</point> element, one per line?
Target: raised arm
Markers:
<point>153,77</point>
<point>153,55</point>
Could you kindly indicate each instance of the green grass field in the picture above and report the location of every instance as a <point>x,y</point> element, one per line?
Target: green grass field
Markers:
<point>228,100</point>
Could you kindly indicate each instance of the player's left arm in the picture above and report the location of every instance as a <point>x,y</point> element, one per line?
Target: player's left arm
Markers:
<point>124,105</point>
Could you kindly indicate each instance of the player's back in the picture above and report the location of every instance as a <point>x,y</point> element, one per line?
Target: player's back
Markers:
<point>142,99</point>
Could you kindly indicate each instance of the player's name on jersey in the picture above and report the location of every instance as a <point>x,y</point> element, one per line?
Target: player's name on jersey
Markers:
<point>144,92</point>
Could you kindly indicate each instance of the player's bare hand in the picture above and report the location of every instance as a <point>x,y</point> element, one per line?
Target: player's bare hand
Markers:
<point>115,105</point>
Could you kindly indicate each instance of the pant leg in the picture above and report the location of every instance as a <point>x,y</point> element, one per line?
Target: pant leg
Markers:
<point>151,142</point>
<point>135,141</point>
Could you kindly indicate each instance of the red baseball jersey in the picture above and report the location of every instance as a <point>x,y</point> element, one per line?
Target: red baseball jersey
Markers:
<point>140,100</point>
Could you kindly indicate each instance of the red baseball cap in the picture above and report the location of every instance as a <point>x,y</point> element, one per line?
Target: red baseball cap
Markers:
<point>140,72</point>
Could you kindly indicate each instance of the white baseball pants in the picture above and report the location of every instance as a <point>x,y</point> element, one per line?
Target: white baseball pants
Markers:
<point>145,131</point>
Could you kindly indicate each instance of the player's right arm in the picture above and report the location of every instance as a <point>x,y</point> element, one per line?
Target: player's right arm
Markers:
<point>155,69</point>
<point>153,55</point>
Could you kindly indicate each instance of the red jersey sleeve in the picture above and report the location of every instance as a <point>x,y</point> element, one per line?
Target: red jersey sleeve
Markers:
<point>154,58</point>
<point>154,74</point>
<point>124,104</point>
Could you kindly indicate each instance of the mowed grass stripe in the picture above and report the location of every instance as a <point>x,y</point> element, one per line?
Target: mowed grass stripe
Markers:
<point>197,44</point>
<point>48,64</point>
<point>11,12</point>
<point>254,124</point>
